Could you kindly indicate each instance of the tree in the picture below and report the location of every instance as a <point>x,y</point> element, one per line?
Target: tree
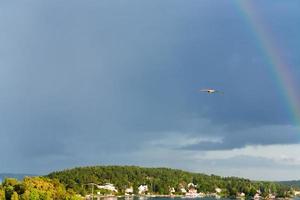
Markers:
<point>10,182</point>
<point>15,196</point>
<point>9,190</point>
<point>158,180</point>
<point>2,194</point>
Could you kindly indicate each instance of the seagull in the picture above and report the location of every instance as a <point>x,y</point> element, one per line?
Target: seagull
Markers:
<point>211,91</point>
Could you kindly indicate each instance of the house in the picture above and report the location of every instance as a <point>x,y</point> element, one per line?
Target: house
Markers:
<point>296,193</point>
<point>183,190</point>
<point>191,185</point>
<point>171,190</point>
<point>108,186</point>
<point>192,193</point>
<point>218,190</point>
<point>258,191</point>
<point>192,190</point>
<point>129,191</point>
<point>241,195</point>
<point>257,196</point>
<point>143,189</point>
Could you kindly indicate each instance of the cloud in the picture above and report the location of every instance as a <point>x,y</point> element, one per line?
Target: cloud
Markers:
<point>271,162</point>
<point>265,135</point>
<point>80,81</point>
<point>200,134</point>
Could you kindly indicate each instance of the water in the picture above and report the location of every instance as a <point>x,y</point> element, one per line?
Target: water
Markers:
<point>161,198</point>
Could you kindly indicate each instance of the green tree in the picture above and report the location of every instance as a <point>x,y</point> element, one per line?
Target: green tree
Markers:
<point>34,195</point>
<point>9,190</point>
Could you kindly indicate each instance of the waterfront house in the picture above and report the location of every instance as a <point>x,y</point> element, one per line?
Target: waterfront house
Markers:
<point>192,193</point>
<point>257,196</point>
<point>129,191</point>
<point>183,190</point>
<point>108,186</point>
<point>143,189</point>
<point>191,185</point>
<point>171,190</point>
<point>218,190</point>
<point>240,195</point>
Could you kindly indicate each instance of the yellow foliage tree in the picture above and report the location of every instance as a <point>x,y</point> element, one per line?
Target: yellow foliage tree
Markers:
<point>2,194</point>
<point>41,188</point>
<point>15,196</point>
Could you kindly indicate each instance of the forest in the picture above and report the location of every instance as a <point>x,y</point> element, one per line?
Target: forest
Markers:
<point>160,180</point>
<point>73,184</point>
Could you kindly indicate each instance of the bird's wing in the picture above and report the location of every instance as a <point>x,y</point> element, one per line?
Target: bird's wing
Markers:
<point>204,90</point>
<point>219,91</point>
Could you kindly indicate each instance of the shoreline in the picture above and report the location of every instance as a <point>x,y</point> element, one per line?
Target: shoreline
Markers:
<point>179,196</point>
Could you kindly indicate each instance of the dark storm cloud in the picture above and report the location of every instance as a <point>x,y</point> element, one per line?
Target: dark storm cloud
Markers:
<point>82,79</point>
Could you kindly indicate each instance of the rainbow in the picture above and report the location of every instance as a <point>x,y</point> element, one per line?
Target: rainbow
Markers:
<point>278,64</point>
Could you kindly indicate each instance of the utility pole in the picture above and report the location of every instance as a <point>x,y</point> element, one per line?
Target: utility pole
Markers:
<point>92,184</point>
<point>92,191</point>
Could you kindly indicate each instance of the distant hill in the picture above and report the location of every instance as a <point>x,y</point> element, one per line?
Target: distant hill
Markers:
<point>160,180</point>
<point>13,175</point>
<point>295,184</point>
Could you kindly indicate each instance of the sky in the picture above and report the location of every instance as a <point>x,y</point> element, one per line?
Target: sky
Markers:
<point>88,82</point>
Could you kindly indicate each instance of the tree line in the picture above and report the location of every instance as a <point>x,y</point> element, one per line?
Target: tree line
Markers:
<point>160,180</point>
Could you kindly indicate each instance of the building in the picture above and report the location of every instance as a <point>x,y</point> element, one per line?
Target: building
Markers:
<point>241,195</point>
<point>129,191</point>
<point>218,190</point>
<point>183,190</point>
<point>191,185</point>
<point>192,193</point>
<point>257,196</point>
<point>296,193</point>
<point>171,190</point>
<point>143,189</point>
<point>108,186</point>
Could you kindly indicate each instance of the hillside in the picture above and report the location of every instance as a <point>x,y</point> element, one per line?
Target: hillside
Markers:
<point>160,180</point>
<point>295,184</point>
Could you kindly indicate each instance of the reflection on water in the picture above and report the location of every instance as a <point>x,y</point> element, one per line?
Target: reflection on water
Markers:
<point>109,198</point>
<point>157,198</point>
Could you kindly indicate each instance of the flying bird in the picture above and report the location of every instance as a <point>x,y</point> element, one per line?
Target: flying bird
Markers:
<point>211,91</point>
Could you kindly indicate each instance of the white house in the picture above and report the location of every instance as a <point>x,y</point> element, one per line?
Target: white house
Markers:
<point>218,190</point>
<point>108,186</point>
<point>192,193</point>
<point>171,190</point>
<point>143,189</point>
<point>129,191</point>
<point>191,185</point>
<point>242,194</point>
<point>256,196</point>
<point>183,190</point>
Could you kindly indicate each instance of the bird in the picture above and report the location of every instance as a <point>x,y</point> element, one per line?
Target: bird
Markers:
<point>211,91</point>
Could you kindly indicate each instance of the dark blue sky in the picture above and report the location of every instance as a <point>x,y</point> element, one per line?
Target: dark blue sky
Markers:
<point>116,82</point>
